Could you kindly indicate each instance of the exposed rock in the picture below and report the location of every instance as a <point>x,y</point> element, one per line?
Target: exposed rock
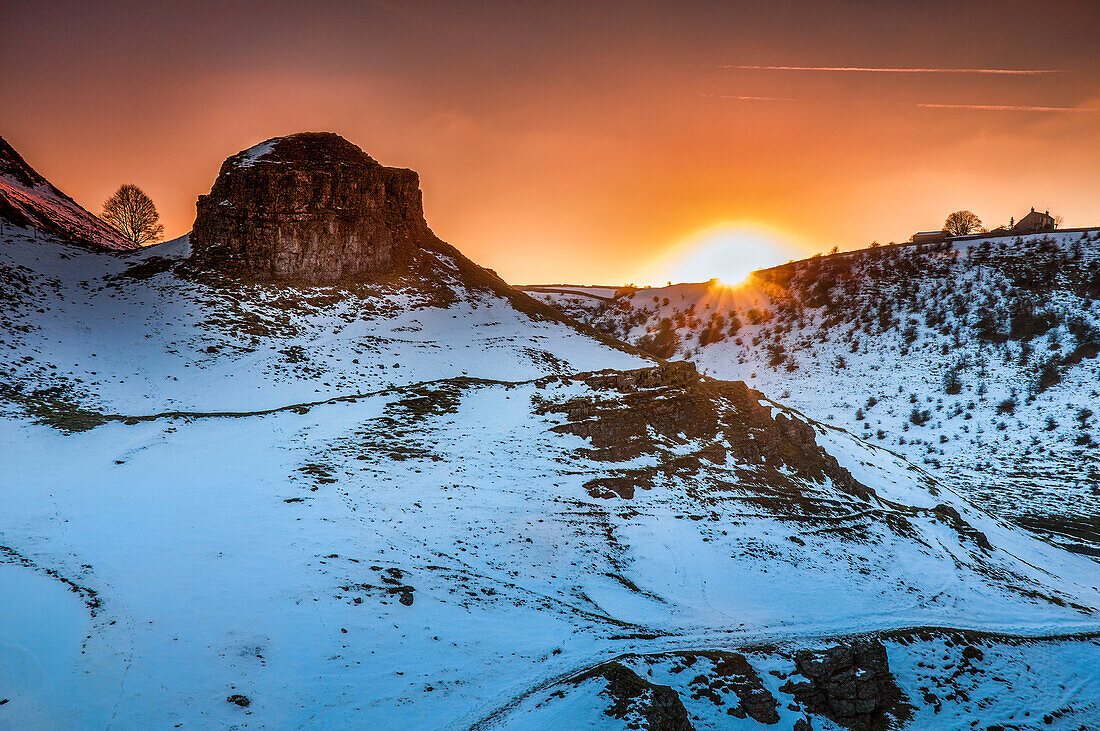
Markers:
<point>310,207</point>
<point>951,516</point>
<point>675,403</point>
<point>733,673</point>
<point>851,684</point>
<point>659,705</point>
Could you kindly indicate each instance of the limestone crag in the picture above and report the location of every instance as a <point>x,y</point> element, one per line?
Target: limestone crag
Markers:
<point>310,207</point>
<point>636,411</point>
<point>638,701</point>
<point>852,685</point>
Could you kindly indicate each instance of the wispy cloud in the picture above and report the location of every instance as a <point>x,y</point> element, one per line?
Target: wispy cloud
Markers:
<point>1006,108</point>
<point>918,105</point>
<point>885,70</point>
<point>751,98</point>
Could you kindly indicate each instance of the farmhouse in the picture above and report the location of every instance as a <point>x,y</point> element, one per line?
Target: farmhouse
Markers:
<point>1034,222</point>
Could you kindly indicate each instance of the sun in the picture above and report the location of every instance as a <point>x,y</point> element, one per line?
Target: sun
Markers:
<point>728,252</point>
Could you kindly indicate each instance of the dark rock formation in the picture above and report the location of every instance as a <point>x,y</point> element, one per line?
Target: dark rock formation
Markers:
<point>951,516</point>
<point>310,207</point>
<point>634,696</point>
<point>29,200</point>
<point>674,402</point>
<point>851,684</point>
<point>732,673</point>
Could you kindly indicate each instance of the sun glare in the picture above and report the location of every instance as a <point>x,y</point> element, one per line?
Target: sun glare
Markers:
<point>728,252</point>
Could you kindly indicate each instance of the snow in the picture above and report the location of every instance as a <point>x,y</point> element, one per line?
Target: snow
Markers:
<point>354,511</point>
<point>1038,465</point>
<point>252,155</point>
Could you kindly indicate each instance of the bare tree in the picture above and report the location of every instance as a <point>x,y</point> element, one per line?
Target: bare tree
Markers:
<point>961,223</point>
<point>130,212</point>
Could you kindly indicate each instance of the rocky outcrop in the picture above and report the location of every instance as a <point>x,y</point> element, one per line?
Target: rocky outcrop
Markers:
<point>850,684</point>
<point>29,200</point>
<point>636,699</point>
<point>310,207</point>
<point>635,412</point>
<point>732,673</point>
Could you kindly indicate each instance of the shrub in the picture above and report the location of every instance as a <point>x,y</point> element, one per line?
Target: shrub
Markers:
<point>1048,376</point>
<point>756,316</point>
<point>952,384</point>
<point>662,343</point>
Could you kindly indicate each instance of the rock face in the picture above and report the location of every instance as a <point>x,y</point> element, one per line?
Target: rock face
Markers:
<point>850,684</point>
<point>310,207</point>
<point>673,401</point>
<point>732,673</point>
<point>637,700</point>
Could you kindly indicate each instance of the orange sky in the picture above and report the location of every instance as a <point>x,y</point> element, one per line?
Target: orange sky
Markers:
<point>580,142</point>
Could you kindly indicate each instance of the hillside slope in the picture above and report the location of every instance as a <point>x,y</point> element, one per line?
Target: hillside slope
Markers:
<point>419,499</point>
<point>975,359</point>
<point>29,200</point>
<point>428,536</point>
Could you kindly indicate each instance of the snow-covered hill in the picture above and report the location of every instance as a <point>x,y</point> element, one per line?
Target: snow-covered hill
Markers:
<point>976,359</point>
<point>320,470</point>
<point>277,505</point>
<point>28,199</point>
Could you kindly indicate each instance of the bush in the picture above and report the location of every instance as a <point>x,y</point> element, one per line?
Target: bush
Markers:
<point>1048,376</point>
<point>662,343</point>
<point>1008,406</point>
<point>952,384</point>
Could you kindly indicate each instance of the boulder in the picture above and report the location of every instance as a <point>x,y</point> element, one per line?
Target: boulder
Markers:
<point>850,684</point>
<point>636,698</point>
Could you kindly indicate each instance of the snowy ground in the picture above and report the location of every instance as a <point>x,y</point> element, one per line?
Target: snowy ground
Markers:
<point>356,509</point>
<point>868,340</point>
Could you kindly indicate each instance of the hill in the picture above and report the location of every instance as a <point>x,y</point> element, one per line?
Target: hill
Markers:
<point>29,200</point>
<point>976,359</point>
<point>413,498</point>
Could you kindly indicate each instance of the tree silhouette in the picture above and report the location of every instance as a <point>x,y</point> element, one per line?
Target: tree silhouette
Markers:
<point>130,212</point>
<point>961,223</point>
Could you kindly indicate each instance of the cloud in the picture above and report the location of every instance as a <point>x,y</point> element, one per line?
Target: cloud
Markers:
<point>1006,108</point>
<point>876,70</point>
<point>919,105</point>
<point>751,98</point>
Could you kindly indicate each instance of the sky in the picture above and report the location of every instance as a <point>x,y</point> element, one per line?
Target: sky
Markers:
<point>586,142</point>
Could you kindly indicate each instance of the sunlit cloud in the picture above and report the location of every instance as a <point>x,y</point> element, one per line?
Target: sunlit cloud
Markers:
<point>888,70</point>
<point>918,105</point>
<point>1007,108</point>
<point>752,98</point>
